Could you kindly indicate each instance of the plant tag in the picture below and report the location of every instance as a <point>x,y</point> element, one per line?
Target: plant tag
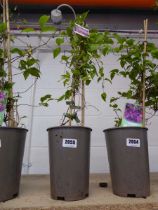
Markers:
<point>0,143</point>
<point>133,115</point>
<point>81,30</point>
<point>69,143</point>
<point>131,142</point>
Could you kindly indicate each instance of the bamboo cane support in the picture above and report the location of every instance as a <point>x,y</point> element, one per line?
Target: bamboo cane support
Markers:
<point>144,73</point>
<point>83,104</point>
<point>7,48</point>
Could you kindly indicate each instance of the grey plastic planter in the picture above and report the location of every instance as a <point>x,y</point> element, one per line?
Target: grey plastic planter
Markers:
<point>12,142</point>
<point>69,155</point>
<point>128,159</point>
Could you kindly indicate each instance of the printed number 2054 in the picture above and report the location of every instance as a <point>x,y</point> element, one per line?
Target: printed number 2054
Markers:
<point>132,142</point>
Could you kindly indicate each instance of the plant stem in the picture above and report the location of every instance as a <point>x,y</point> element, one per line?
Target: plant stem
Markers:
<point>4,41</point>
<point>82,103</point>
<point>72,99</point>
<point>70,121</point>
<point>144,72</point>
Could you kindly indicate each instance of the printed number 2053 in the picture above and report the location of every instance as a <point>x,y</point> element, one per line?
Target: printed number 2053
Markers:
<point>69,143</point>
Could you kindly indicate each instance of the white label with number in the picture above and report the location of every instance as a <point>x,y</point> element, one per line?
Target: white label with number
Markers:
<point>132,142</point>
<point>69,143</point>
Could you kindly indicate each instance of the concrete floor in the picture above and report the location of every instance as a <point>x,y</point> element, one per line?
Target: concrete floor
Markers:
<point>35,195</point>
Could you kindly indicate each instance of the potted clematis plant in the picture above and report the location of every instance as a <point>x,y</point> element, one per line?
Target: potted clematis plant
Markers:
<point>127,143</point>
<point>69,144</point>
<point>12,133</point>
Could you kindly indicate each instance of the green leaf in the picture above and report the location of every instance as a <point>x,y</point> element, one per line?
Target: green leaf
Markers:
<point>22,64</point>
<point>56,52</point>
<point>8,85</point>
<point>98,80</point>
<point>59,41</point>
<point>114,106</point>
<point>1,53</point>
<point>127,94</point>
<point>26,74</point>
<point>31,72</point>
<point>64,57</point>
<point>46,98</point>
<point>101,72</point>
<point>103,96</point>
<point>43,20</point>
<point>88,82</point>
<point>3,27</point>
<point>27,30</point>
<point>99,38</point>
<point>130,42</point>
<point>48,29</point>
<point>66,75</point>
<point>155,53</point>
<point>43,24</point>
<point>68,94</point>
<point>123,73</point>
<point>76,72</point>
<point>32,61</point>
<point>122,62</point>
<point>18,51</point>
<point>108,40</point>
<point>113,99</point>
<point>113,73</point>
<point>106,50</point>
<point>118,122</point>
<point>94,47</point>
<point>61,98</point>
<point>84,15</point>
<point>2,73</point>
<point>106,79</point>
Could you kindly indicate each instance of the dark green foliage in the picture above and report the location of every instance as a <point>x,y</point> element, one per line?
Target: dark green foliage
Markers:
<point>28,66</point>
<point>56,52</point>
<point>134,63</point>
<point>103,96</point>
<point>83,61</point>
<point>45,99</point>
<point>44,27</point>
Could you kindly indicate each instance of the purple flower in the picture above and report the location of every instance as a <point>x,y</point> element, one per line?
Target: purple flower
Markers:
<point>133,113</point>
<point>2,95</point>
<point>2,107</point>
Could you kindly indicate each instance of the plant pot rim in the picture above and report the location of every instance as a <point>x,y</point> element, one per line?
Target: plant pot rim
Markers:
<point>125,128</point>
<point>68,127</point>
<point>12,128</point>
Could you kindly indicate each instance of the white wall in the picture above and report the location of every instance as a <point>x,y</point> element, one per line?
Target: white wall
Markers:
<point>99,118</point>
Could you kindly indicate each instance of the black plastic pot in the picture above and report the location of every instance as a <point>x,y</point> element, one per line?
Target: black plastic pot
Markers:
<point>69,155</point>
<point>128,159</point>
<point>12,142</point>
